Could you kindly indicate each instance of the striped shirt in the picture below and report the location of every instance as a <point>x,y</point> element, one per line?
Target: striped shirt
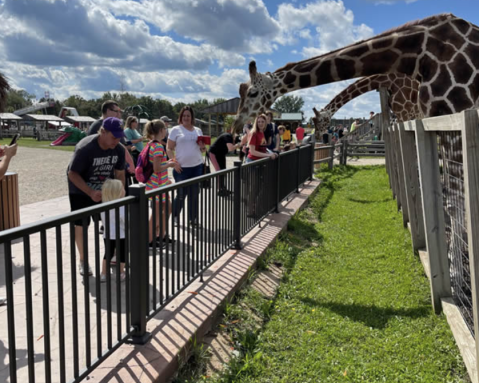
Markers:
<point>157,179</point>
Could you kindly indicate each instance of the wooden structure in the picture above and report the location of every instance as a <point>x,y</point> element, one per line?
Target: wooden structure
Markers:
<point>8,118</point>
<point>226,108</point>
<point>81,122</point>
<point>289,120</point>
<point>41,125</point>
<point>9,202</point>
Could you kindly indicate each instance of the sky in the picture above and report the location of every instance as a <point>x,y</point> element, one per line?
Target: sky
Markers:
<point>185,50</point>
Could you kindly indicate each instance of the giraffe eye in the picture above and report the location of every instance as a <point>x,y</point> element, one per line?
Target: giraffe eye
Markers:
<point>253,93</point>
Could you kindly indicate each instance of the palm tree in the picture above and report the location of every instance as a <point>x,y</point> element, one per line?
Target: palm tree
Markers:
<point>4,88</point>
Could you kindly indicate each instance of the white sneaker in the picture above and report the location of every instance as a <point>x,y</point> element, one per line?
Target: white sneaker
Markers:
<point>3,301</point>
<point>113,261</point>
<point>82,272</point>
<point>102,278</point>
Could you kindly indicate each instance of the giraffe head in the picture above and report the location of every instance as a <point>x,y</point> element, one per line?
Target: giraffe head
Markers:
<point>322,121</point>
<point>256,96</point>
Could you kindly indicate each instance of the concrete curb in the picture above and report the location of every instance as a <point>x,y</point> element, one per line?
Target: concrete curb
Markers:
<point>193,313</point>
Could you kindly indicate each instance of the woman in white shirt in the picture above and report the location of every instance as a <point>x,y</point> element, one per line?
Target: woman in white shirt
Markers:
<point>183,146</point>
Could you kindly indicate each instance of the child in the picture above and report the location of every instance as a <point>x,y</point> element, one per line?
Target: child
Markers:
<point>112,190</point>
<point>155,131</point>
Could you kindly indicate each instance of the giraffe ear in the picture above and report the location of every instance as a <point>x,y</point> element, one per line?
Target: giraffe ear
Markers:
<point>252,70</point>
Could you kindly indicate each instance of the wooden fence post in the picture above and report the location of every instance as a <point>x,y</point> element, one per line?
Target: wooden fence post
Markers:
<point>394,166</point>
<point>401,180</point>
<point>411,182</point>
<point>470,147</point>
<point>387,145</point>
<point>431,196</point>
<point>331,155</point>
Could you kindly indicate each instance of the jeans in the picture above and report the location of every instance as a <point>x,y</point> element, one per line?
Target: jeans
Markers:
<point>192,191</point>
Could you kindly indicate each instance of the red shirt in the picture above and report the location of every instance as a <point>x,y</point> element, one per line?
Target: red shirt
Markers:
<point>299,133</point>
<point>260,144</point>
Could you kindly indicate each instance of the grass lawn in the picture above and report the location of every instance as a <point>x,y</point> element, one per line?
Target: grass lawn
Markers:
<point>29,142</point>
<point>354,305</point>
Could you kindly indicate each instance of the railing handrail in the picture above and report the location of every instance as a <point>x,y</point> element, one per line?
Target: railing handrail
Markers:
<point>50,223</point>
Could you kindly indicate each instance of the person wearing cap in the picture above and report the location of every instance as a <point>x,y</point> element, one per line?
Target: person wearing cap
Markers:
<point>96,158</point>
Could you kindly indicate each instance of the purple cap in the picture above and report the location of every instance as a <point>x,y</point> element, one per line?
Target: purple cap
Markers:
<point>113,125</point>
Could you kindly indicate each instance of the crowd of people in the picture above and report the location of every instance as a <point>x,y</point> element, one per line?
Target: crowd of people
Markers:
<point>106,161</point>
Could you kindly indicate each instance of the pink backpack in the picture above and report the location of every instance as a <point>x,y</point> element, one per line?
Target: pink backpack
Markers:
<point>144,168</point>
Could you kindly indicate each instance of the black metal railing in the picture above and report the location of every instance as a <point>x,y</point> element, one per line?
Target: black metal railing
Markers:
<point>60,324</point>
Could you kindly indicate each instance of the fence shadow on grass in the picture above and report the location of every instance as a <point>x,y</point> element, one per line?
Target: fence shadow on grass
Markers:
<point>329,185</point>
<point>363,201</point>
<point>371,316</point>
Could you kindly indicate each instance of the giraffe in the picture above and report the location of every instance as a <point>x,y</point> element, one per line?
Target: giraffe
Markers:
<point>4,88</point>
<point>440,52</point>
<point>403,97</point>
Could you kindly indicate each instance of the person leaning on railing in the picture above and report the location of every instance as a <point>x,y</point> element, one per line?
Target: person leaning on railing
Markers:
<point>6,154</point>
<point>257,150</point>
<point>96,158</point>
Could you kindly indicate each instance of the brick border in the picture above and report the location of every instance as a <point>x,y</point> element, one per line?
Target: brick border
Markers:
<point>192,315</point>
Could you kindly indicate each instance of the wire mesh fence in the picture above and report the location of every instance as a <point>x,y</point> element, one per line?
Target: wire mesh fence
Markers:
<point>452,180</point>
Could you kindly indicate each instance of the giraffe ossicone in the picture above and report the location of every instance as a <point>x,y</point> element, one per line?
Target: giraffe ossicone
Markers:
<point>440,52</point>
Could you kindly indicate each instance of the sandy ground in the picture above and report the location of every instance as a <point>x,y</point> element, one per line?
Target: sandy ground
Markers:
<point>42,172</point>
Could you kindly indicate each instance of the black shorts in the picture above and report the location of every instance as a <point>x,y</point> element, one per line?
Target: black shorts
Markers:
<point>81,201</point>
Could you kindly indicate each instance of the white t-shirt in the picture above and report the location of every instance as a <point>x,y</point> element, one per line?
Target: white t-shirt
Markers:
<point>121,215</point>
<point>187,150</point>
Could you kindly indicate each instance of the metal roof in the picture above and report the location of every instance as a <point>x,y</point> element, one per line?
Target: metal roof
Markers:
<point>291,117</point>
<point>9,116</point>
<point>226,107</point>
<point>79,119</point>
<point>43,117</point>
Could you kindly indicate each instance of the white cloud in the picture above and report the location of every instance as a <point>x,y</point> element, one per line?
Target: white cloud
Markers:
<point>332,24</point>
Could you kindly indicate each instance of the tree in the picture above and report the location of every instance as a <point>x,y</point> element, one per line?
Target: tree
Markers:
<point>18,99</point>
<point>289,104</point>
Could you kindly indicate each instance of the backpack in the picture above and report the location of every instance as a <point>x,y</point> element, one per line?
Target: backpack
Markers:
<point>144,168</point>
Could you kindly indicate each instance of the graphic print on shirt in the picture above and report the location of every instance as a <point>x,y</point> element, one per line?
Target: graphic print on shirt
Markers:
<point>101,170</point>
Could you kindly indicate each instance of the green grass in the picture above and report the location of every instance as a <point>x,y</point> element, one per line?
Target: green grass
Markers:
<point>354,305</point>
<point>28,142</point>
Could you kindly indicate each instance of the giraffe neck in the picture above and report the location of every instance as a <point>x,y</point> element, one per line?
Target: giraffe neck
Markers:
<point>397,51</point>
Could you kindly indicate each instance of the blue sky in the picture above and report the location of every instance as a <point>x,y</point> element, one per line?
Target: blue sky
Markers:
<point>183,50</point>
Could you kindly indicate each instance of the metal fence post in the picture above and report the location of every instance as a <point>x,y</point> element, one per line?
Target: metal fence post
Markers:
<point>237,207</point>
<point>313,146</point>
<point>298,166</point>
<point>278,177</point>
<point>139,264</point>
<point>432,204</point>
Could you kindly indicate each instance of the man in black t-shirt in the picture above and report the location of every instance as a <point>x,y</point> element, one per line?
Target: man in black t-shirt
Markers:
<point>96,158</point>
<point>271,134</point>
<point>217,154</point>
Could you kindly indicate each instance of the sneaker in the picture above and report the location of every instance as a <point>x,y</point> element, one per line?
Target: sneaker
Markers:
<point>101,230</point>
<point>166,239</point>
<point>113,261</point>
<point>122,277</point>
<point>176,221</point>
<point>102,278</point>
<point>3,301</point>
<point>82,272</point>
<point>157,245</point>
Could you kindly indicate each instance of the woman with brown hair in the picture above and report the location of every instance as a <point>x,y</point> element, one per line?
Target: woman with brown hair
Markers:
<point>183,145</point>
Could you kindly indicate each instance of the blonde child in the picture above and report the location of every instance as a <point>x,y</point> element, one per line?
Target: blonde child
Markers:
<point>155,132</point>
<point>110,191</point>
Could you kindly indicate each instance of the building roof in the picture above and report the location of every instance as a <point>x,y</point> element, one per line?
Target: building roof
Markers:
<point>226,107</point>
<point>43,117</point>
<point>9,116</point>
<point>291,117</point>
<point>79,119</point>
